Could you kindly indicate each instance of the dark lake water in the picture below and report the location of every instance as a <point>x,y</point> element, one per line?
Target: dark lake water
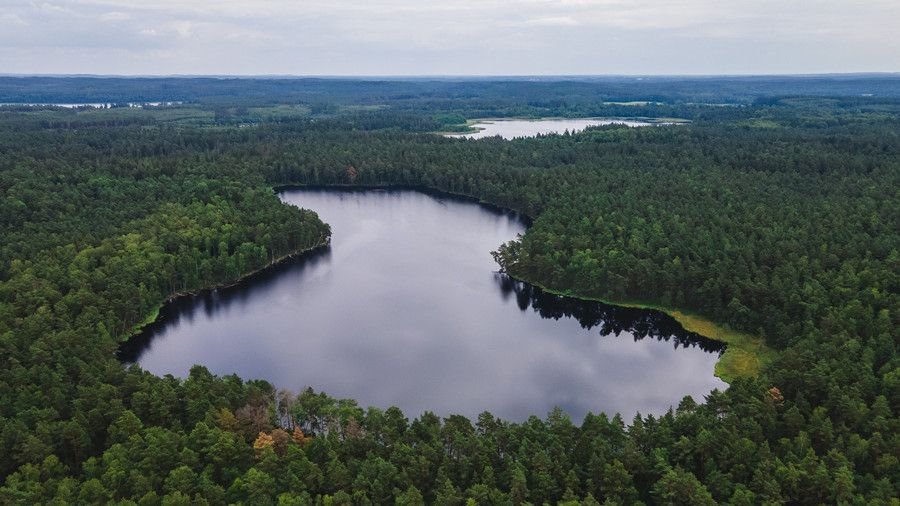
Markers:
<point>405,308</point>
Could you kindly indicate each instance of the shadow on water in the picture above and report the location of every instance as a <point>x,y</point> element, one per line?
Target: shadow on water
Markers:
<point>184,309</point>
<point>611,320</point>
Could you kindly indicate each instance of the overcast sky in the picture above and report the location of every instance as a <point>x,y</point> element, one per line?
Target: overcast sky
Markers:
<point>454,37</point>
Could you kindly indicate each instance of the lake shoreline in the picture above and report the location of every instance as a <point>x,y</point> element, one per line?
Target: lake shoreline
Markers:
<point>225,329</point>
<point>427,190</point>
<point>154,315</point>
<point>744,355</point>
<point>475,126</point>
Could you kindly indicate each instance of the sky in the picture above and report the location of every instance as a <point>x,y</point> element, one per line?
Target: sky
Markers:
<point>461,37</point>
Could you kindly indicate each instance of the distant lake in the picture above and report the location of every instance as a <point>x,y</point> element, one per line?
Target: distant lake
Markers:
<point>513,128</point>
<point>405,308</point>
<point>94,105</point>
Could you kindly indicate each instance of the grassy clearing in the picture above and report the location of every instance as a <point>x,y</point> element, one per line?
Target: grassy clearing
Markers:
<point>744,356</point>
<point>187,115</point>
<point>278,112</point>
<point>362,108</point>
<point>765,124</point>
<point>151,317</point>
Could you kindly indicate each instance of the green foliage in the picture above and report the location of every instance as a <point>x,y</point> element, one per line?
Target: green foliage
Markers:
<point>788,233</point>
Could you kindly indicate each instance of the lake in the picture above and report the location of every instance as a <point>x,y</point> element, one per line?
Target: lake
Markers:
<point>94,105</point>
<point>513,128</point>
<point>405,308</point>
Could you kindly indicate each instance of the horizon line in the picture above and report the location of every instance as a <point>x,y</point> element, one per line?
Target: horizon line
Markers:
<point>445,76</point>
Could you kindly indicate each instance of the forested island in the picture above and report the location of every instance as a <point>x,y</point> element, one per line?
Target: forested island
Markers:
<point>770,220</point>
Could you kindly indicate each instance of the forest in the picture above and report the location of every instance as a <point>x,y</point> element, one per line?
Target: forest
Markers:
<point>777,216</point>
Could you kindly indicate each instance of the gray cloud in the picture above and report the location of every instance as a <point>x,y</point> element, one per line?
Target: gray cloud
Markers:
<point>416,37</point>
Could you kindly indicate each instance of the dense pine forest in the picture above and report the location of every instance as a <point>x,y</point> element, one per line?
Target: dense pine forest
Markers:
<point>775,212</point>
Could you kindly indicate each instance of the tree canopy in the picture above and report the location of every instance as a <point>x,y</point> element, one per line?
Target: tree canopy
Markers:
<point>779,218</point>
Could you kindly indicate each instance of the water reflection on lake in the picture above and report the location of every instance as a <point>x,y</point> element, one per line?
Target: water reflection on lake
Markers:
<point>405,309</point>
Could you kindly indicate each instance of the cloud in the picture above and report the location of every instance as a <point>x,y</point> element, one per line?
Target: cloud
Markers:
<point>461,36</point>
<point>551,21</point>
<point>13,19</point>
<point>181,27</point>
<point>115,16</point>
